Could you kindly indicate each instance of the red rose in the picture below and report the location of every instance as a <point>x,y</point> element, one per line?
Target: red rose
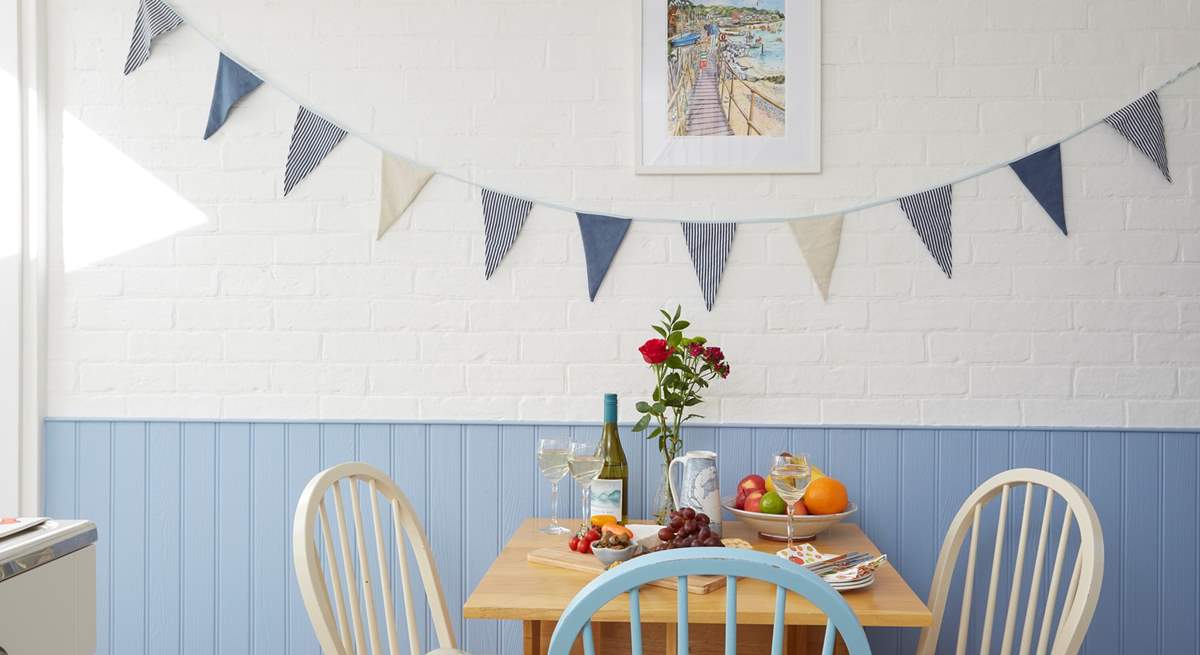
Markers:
<point>714,355</point>
<point>655,351</point>
<point>696,349</point>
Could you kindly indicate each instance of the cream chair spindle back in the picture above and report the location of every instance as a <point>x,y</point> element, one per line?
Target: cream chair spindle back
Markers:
<point>346,619</point>
<point>1063,637</point>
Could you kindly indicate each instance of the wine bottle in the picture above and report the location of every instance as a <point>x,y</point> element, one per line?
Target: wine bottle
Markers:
<point>610,489</point>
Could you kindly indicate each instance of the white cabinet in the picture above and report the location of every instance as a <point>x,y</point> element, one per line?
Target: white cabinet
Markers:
<point>48,590</point>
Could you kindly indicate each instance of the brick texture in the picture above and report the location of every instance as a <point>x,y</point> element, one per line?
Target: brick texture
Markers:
<point>208,294</point>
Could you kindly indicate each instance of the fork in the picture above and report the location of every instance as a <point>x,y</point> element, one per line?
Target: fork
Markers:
<point>839,563</point>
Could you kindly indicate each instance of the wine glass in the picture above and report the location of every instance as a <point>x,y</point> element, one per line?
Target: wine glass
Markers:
<point>584,461</point>
<point>791,475</point>
<point>552,462</point>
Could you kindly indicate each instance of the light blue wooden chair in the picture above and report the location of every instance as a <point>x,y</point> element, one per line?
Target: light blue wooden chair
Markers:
<point>732,563</point>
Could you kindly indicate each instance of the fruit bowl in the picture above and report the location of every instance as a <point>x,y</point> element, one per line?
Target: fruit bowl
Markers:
<point>774,526</point>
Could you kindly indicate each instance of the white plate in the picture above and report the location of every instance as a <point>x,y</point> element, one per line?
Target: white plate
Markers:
<point>21,525</point>
<point>857,584</point>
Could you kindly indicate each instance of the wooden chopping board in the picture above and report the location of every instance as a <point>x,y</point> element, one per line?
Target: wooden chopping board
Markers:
<point>566,559</point>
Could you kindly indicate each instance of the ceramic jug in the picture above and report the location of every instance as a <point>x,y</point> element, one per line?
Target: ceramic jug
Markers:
<point>697,487</point>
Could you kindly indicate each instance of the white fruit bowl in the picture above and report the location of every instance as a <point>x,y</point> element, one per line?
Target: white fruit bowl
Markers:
<point>774,526</point>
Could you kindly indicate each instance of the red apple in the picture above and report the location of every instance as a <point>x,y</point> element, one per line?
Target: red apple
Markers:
<point>753,501</point>
<point>739,501</point>
<point>800,509</point>
<point>752,482</point>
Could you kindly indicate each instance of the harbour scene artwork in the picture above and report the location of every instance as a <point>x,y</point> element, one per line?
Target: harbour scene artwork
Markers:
<point>726,68</point>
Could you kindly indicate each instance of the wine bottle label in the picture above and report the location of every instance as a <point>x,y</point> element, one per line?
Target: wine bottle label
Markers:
<point>606,498</point>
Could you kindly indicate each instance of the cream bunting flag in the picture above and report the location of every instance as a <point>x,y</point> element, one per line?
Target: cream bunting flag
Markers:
<point>400,182</point>
<point>819,241</point>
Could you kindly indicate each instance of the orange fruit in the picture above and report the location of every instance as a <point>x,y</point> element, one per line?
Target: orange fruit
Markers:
<point>826,496</point>
<point>600,520</point>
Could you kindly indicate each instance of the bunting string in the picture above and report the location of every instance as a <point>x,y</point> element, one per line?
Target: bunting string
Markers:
<point>709,243</point>
<point>465,179</point>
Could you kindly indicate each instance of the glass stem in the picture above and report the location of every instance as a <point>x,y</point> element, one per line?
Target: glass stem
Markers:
<point>554,504</point>
<point>791,512</point>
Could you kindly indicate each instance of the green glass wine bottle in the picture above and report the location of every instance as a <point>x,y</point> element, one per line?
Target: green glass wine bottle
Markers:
<point>610,490</point>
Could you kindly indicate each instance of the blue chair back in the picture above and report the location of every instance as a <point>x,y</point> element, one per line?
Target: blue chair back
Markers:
<point>729,562</point>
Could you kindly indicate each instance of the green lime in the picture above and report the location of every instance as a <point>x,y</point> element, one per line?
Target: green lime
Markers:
<point>771,503</point>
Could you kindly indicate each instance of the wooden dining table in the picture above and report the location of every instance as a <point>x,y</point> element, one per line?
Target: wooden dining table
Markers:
<point>536,594</point>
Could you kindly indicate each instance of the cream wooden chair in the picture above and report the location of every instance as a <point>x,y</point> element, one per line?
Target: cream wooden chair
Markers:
<point>1083,588</point>
<point>359,634</point>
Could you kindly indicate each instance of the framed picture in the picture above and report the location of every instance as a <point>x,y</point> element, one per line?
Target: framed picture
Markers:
<point>728,86</point>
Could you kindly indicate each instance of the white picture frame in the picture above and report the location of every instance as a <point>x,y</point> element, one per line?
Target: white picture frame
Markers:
<point>658,150</point>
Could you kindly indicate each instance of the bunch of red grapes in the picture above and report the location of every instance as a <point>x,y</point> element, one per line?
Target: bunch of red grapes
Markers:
<point>687,528</point>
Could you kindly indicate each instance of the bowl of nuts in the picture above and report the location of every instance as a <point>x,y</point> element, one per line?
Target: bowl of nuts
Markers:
<point>616,544</point>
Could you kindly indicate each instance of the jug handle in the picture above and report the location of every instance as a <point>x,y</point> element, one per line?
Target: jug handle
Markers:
<point>671,480</point>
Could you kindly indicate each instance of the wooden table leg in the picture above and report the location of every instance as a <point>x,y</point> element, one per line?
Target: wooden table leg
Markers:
<point>810,640</point>
<point>533,637</point>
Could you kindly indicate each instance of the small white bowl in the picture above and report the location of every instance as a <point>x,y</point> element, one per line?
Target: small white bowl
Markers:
<point>609,555</point>
<point>774,526</point>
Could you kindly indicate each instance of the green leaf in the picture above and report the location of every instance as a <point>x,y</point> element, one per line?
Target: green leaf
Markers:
<point>678,309</point>
<point>692,416</point>
<point>679,325</point>
<point>690,402</point>
<point>673,339</point>
<point>642,423</point>
<point>661,332</point>
<point>657,431</point>
<point>659,408</point>
<point>675,362</point>
<point>665,314</point>
<point>657,394</point>
<point>642,406</point>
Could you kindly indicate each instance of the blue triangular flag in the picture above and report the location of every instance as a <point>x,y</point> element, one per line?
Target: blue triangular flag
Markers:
<point>929,212</point>
<point>312,139</point>
<point>1141,122</point>
<point>233,83</point>
<point>1041,173</point>
<point>503,217</point>
<point>154,18</point>
<point>602,235</point>
<point>709,245</point>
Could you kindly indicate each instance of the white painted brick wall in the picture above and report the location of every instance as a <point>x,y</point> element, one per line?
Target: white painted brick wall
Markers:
<point>232,301</point>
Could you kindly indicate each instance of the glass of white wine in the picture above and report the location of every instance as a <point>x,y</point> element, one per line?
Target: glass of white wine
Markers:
<point>584,461</point>
<point>790,475</point>
<point>552,462</point>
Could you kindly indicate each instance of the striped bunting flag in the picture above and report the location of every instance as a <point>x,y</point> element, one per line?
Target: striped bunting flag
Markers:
<point>601,235</point>
<point>503,217</point>
<point>929,213</point>
<point>709,245</point>
<point>1041,173</point>
<point>1141,122</point>
<point>154,18</point>
<point>400,182</point>
<point>312,139</point>
<point>233,83</point>
<point>819,240</point>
